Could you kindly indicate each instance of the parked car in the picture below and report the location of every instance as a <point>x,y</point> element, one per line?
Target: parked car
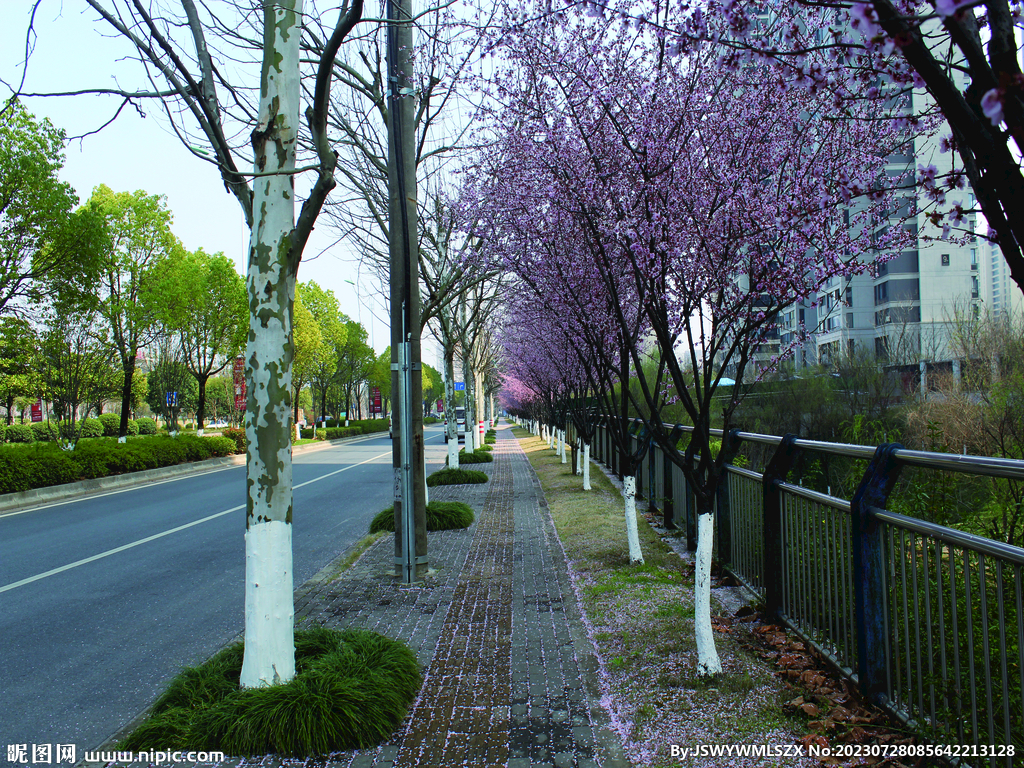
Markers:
<point>460,425</point>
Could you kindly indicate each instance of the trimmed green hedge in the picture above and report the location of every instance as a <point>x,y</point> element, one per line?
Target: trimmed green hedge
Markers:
<point>146,426</point>
<point>354,429</point>
<point>236,434</point>
<point>19,433</point>
<point>330,433</point>
<point>111,423</point>
<point>38,465</point>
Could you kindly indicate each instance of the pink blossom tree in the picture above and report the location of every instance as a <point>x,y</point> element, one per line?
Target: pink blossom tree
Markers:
<point>677,202</point>
<point>966,54</point>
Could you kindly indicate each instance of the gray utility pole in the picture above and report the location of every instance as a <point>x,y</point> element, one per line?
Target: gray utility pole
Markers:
<point>406,373</point>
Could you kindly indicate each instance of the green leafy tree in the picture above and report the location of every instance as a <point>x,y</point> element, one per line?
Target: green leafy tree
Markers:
<point>138,228</point>
<point>309,347</point>
<point>71,362</point>
<point>201,300</point>
<point>323,364</point>
<point>34,206</point>
<point>433,387</point>
<point>380,376</point>
<point>17,374</point>
<point>172,388</point>
<point>220,398</point>
<point>355,361</point>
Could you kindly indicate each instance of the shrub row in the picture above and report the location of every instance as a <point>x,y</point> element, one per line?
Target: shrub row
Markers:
<point>38,465</point>
<point>354,428</point>
<point>330,433</point>
<point>107,425</point>
<point>371,425</point>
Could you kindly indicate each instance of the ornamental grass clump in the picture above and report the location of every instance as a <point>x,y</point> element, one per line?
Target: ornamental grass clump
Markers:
<point>449,476</point>
<point>479,456</point>
<point>441,516</point>
<point>351,690</point>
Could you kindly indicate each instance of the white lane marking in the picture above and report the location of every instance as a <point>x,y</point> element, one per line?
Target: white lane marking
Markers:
<point>122,548</point>
<point>343,469</point>
<point>114,551</point>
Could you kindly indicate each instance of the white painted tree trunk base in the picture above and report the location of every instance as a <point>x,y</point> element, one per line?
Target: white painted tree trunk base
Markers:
<point>586,466</point>
<point>562,447</point>
<point>636,557</point>
<point>122,439</point>
<point>199,432</point>
<point>269,610</point>
<point>453,452</point>
<point>708,662</point>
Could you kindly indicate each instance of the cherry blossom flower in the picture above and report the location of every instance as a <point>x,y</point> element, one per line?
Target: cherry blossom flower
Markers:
<point>992,105</point>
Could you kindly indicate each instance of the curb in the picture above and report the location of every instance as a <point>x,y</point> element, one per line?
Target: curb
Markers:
<point>21,500</point>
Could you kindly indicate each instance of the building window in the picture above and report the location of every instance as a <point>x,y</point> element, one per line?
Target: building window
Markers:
<point>974,286</point>
<point>849,297</point>
<point>882,349</point>
<point>945,259</point>
<point>974,259</point>
<point>881,293</point>
<point>849,319</point>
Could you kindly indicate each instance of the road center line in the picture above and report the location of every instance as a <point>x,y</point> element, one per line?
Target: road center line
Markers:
<point>123,547</point>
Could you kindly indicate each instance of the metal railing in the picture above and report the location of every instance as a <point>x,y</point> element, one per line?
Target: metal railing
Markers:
<point>928,621</point>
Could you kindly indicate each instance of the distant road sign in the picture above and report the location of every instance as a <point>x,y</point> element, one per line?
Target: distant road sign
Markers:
<point>460,386</point>
<point>172,399</point>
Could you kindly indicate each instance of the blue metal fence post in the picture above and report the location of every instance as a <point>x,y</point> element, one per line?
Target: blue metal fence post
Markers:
<point>775,473</point>
<point>652,475</point>
<point>730,447</point>
<point>668,469</point>
<point>691,517</point>
<point>869,576</point>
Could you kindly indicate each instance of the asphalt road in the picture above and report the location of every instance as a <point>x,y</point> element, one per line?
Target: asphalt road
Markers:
<point>104,598</point>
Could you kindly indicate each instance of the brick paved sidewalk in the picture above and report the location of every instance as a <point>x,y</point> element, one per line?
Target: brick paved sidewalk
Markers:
<point>510,676</point>
<point>509,673</point>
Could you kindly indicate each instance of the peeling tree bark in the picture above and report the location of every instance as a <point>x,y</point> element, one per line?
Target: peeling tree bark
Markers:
<point>451,427</point>
<point>269,609</point>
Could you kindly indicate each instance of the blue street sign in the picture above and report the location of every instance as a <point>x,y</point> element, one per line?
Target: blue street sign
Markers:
<point>172,399</point>
<point>460,386</point>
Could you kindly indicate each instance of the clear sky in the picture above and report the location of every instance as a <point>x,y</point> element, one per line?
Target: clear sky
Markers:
<point>139,152</point>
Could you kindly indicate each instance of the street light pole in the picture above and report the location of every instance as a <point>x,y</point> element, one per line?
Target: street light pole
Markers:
<point>406,373</point>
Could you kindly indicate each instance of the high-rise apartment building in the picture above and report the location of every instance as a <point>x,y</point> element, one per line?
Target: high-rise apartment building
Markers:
<point>902,310</point>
